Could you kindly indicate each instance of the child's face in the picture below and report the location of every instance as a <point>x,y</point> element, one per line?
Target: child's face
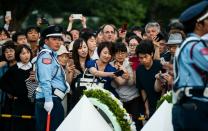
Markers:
<point>120,56</point>
<point>63,59</point>
<point>173,49</point>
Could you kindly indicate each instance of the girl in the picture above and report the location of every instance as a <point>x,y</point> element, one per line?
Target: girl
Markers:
<point>80,56</point>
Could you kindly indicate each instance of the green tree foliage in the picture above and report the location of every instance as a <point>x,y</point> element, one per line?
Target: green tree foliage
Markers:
<point>119,12</point>
<point>165,10</point>
<point>20,9</point>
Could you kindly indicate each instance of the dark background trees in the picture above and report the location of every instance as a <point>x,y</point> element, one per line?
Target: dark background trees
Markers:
<point>118,12</point>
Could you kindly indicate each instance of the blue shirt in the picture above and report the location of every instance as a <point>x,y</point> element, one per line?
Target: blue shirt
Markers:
<point>50,74</point>
<point>108,68</point>
<point>3,70</point>
<point>193,57</point>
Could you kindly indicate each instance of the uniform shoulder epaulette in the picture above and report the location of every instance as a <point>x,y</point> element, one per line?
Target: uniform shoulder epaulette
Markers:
<point>43,51</point>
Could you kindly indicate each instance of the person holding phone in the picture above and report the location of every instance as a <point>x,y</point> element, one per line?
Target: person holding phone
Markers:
<point>75,32</point>
<point>145,76</point>
<point>164,82</point>
<point>161,49</point>
<point>8,22</point>
<point>101,67</point>
<point>152,29</point>
<point>128,93</point>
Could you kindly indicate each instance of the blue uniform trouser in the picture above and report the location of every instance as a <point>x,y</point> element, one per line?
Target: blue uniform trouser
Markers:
<point>57,114</point>
<point>191,115</point>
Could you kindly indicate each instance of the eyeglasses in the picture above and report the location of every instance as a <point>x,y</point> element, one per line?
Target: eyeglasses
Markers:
<point>121,53</point>
<point>133,45</point>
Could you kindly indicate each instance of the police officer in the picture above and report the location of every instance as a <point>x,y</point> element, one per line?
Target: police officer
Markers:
<point>190,109</point>
<point>52,84</point>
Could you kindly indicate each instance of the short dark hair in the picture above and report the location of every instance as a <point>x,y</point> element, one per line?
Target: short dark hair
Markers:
<point>67,33</point>
<point>19,50</point>
<point>37,29</point>
<point>7,45</point>
<point>145,47</point>
<point>87,35</point>
<point>5,31</point>
<point>164,36</point>
<point>98,31</point>
<point>134,37</point>
<point>119,47</point>
<point>108,45</point>
<point>136,28</point>
<point>16,35</point>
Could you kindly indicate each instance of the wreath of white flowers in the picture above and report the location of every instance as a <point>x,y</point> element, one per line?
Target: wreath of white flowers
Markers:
<point>105,101</point>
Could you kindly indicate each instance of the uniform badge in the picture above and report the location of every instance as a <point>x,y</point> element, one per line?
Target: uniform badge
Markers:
<point>204,51</point>
<point>46,61</point>
<point>56,28</point>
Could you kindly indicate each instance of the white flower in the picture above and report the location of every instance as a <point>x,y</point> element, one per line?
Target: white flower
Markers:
<point>119,103</point>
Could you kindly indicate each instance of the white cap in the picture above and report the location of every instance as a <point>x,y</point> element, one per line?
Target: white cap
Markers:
<point>205,37</point>
<point>62,50</point>
<point>175,38</point>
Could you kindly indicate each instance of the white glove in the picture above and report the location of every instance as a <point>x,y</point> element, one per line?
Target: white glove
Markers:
<point>48,106</point>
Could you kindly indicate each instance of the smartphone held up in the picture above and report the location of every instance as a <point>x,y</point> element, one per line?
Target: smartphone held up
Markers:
<point>8,15</point>
<point>76,16</point>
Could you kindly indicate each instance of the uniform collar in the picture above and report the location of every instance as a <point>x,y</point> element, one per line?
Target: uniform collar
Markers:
<point>22,66</point>
<point>53,52</point>
<point>192,34</point>
<point>47,47</point>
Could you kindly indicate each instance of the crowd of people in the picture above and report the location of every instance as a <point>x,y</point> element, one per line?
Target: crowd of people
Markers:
<point>135,65</point>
